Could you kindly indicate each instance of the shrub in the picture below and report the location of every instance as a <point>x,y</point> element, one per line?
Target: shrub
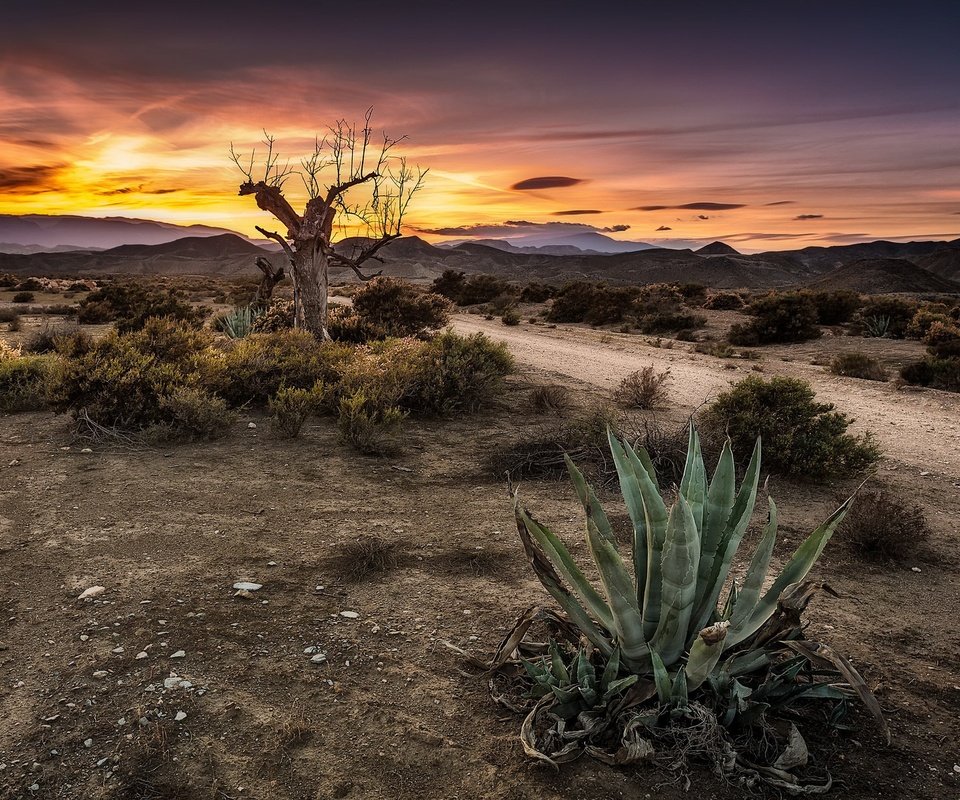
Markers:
<point>344,325</point>
<point>724,301</point>
<point>670,321</point>
<point>594,303</point>
<point>23,382</point>
<point>835,308</point>
<point>399,308</point>
<point>482,289</point>
<point>368,427</point>
<point>278,316</point>
<point>935,372</point>
<point>694,294</point>
<point>788,317</point>
<point>891,314</point>
<point>883,527</point>
<point>131,305</point>
<point>23,297</point>
<point>61,338</point>
<point>803,438</point>
<point>536,293</point>
<point>192,414</point>
<point>511,317</point>
<point>551,398</point>
<point>290,409</point>
<point>31,285</point>
<point>129,381</point>
<point>254,369</point>
<point>449,284</point>
<point>369,556</point>
<point>9,314</point>
<point>940,334</point>
<point>644,388</point>
<point>922,321</point>
<point>858,365</point>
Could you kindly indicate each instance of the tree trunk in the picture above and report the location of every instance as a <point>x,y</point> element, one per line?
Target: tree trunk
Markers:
<point>310,287</point>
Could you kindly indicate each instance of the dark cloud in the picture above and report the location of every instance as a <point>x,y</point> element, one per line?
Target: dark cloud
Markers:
<point>702,216</point>
<point>576,212</point>
<point>546,182</point>
<point>518,227</point>
<point>781,203</point>
<point>702,206</point>
<point>664,228</point>
<point>135,190</point>
<point>35,178</point>
<point>808,216</point>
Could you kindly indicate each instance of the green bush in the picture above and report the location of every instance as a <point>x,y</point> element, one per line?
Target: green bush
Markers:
<point>23,382</point>
<point>449,284</point>
<point>291,408</point>
<point>23,297</point>
<point>786,317</point>
<point>536,293</point>
<point>130,305</point>
<point>935,372</point>
<point>192,414</point>
<point>835,308</point>
<point>254,369</point>
<point>344,325</point>
<point>128,381</point>
<point>593,303</point>
<point>399,308</point>
<point>368,427</point>
<point>670,321</point>
<point>510,317</point>
<point>801,437</point>
<point>858,365</point>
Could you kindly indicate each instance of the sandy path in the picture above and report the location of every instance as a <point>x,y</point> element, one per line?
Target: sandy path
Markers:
<point>919,429</point>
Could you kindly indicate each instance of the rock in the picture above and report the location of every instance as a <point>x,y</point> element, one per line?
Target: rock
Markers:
<point>309,651</point>
<point>171,683</point>
<point>141,655</point>
<point>87,450</point>
<point>178,654</point>
<point>84,637</point>
<point>180,716</point>
<point>350,614</point>
<point>248,586</point>
<point>88,743</point>
<point>93,591</point>
<point>244,594</point>
<point>251,425</point>
<point>915,569</point>
<point>319,658</point>
<point>100,673</point>
<point>117,651</point>
<point>15,462</point>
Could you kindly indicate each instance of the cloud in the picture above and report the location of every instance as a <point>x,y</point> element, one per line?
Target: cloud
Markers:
<point>702,216</point>
<point>664,228</point>
<point>546,182</point>
<point>808,216</point>
<point>700,206</point>
<point>519,227</point>
<point>576,212</point>
<point>135,190</point>
<point>781,203</point>
<point>37,177</point>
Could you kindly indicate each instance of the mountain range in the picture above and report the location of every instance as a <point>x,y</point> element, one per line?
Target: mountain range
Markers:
<point>881,266</point>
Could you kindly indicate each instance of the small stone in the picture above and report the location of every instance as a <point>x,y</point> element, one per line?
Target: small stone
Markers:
<point>87,450</point>
<point>117,650</point>
<point>350,614</point>
<point>84,637</point>
<point>180,716</point>
<point>915,569</point>
<point>171,683</point>
<point>251,425</point>
<point>271,563</point>
<point>15,462</point>
<point>309,651</point>
<point>178,654</point>
<point>100,673</point>
<point>248,586</point>
<point>141,655</point>
<point>319,658</point>
<point>88,743</point>
<point>93,591</point>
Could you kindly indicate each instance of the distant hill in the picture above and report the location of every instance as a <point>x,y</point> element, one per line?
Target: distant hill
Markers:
<point>884,276</point>
<point>552,243</point>
<point>90,232</point>
<point>944,261</point>
<point>717,249</point>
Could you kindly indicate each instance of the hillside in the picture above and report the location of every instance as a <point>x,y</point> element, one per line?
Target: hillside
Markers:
<point>882,276</point>
<point>717,249</point>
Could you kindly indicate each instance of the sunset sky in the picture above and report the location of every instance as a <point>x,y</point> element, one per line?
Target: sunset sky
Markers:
<point>769,125</point>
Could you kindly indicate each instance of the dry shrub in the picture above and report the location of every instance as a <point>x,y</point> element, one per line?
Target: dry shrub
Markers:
<point>858,365</point>
<point>369,556</point>
<point>724,301</point>
<point>551,398</point>
<point>882,527</point>
<point>192,414</point>
<point>368,426</point>
<point>290,408</point>
<point>23,381</point>
<point>399,308</point>
<point>645,388</point>
<point>510,317</point>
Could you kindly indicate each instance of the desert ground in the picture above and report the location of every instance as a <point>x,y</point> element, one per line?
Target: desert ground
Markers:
<point>168,685</point>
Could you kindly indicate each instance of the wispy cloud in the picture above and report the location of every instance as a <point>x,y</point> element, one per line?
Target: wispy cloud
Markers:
<point>577,212</point>
<point>808,216</point>
<point>546,182</point>
<point>701,206</point>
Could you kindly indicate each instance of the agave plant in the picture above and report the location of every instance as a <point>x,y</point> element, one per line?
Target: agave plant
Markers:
<point>876,326</point>
<point>655,630</point>
<point>238,324</point>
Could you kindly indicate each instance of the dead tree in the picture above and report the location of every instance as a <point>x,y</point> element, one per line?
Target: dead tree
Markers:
<point>351,185</point>
<point>271,277</point>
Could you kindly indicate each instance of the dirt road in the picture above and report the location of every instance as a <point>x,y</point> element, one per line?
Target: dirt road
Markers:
<point>919,429</point>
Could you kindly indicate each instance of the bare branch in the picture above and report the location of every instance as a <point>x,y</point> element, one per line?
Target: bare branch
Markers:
<point>277,238</point>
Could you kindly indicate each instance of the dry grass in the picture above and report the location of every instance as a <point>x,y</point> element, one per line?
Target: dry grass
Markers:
<point>369,556</point>
<point>551,398</point>
<point>645,388</point>
<point>858,365</point>
<point>881,526</point>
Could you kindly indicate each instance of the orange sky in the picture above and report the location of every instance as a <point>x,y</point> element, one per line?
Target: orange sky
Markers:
<point>765,154</point>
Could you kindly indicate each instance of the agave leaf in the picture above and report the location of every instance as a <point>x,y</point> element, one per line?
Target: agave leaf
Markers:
<point>618,686</point>
<point>796,570</point>
<point>717,510</point>
<point>640,459</point>
<point>588,499</point>
<point>560,557</point>
<point>633,498</point>
<point>745,663</point>
<point>548,576</point>
<point>681,554</point>
<point>679,694</point>
<point>661,677</point>
<point>611,670</point>
<point>557,668</point>
<point>705,654</point>
<point>749,595</point>
<point>586,675</point>
<point>733,532</point>
<point>731,601</point>
<point>621,593</point>
<point>693,484</point>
